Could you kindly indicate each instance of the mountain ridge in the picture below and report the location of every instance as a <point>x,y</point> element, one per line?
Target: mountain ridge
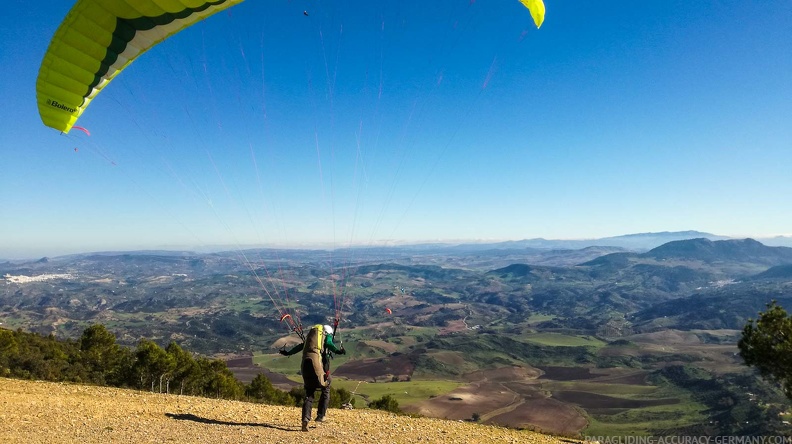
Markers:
<point>635,241</point>
<point>743,250</point>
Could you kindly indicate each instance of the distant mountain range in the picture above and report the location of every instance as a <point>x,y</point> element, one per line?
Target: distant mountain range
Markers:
<point>638,242</point>
<point>635,242</point>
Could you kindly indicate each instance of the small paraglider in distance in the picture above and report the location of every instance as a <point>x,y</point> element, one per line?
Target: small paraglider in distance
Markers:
<point>305,13</point>
<point>389,311</point>
<point>75,149</point>
<point>285,316</point>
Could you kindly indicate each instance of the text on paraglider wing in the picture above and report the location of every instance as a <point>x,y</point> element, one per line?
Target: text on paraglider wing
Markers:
<point>59,105</point>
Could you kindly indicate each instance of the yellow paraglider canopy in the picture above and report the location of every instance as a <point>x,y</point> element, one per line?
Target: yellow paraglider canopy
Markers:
<point>537,9</point>
<point>98,39</point>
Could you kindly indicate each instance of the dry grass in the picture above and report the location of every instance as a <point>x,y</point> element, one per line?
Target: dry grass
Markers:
<point>45,412</point>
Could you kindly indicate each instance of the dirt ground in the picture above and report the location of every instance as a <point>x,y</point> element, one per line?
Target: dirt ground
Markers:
<point>566,373</point>
<point>593,401</point>
<point>508,396</point>
<point>34,412</point>
<point>371,369</point>
<point>548,415</point>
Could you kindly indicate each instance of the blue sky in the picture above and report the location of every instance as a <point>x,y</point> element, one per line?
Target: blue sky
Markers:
<point>371,122</point>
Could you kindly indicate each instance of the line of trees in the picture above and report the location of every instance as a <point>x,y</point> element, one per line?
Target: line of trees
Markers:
<point>96,358</point>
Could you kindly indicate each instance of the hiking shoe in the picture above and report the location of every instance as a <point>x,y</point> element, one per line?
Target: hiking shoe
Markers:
<point>319,419</point>
<point>304,426</point>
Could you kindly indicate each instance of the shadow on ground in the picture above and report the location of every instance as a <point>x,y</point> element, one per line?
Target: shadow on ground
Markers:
<point>194,418</point>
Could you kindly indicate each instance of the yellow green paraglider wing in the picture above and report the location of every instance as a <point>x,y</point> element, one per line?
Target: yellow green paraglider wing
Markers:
<point>98,39</point>
<point>537,9</point>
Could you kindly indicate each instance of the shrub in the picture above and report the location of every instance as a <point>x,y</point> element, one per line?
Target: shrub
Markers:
<point>387,403</point>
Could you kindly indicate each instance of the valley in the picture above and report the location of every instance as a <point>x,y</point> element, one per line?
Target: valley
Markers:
<point>593,342</point>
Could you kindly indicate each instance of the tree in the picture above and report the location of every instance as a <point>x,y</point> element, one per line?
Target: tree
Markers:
<point>152,364</point>
<point>104,360</point>
<point>387,403</point>
<point>221,383</point>
<point>186,369</point>
<point>262,390</point>
<point>9,349</point>
<point>339,397</point>
<point>767,345</point>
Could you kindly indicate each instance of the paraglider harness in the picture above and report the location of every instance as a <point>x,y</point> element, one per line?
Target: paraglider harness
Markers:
<point>316,340</point>
<point>327,354</point>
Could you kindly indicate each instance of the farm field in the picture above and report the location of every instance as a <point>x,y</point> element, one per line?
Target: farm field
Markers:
<point>562,340</point>
<point>590,400</point>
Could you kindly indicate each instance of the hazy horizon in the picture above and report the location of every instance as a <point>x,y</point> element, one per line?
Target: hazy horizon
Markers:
<point>781,240</point>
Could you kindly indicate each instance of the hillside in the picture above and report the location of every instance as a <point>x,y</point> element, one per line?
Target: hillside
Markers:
<point>733,250</point>
<point>46,412</point>
<point>728,306</point>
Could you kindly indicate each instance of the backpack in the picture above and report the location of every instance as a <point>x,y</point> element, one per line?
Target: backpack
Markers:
<point>315,340</point>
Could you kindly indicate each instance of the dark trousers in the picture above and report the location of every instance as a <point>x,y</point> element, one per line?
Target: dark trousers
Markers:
<point>312,384</point>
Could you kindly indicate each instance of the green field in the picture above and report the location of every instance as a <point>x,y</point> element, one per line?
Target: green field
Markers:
<point>406,393</point>
<point>561,340</point>
<point>536,318</point>
<point>642,421</point>
<point>602,388</point>
<point>289,365</point>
